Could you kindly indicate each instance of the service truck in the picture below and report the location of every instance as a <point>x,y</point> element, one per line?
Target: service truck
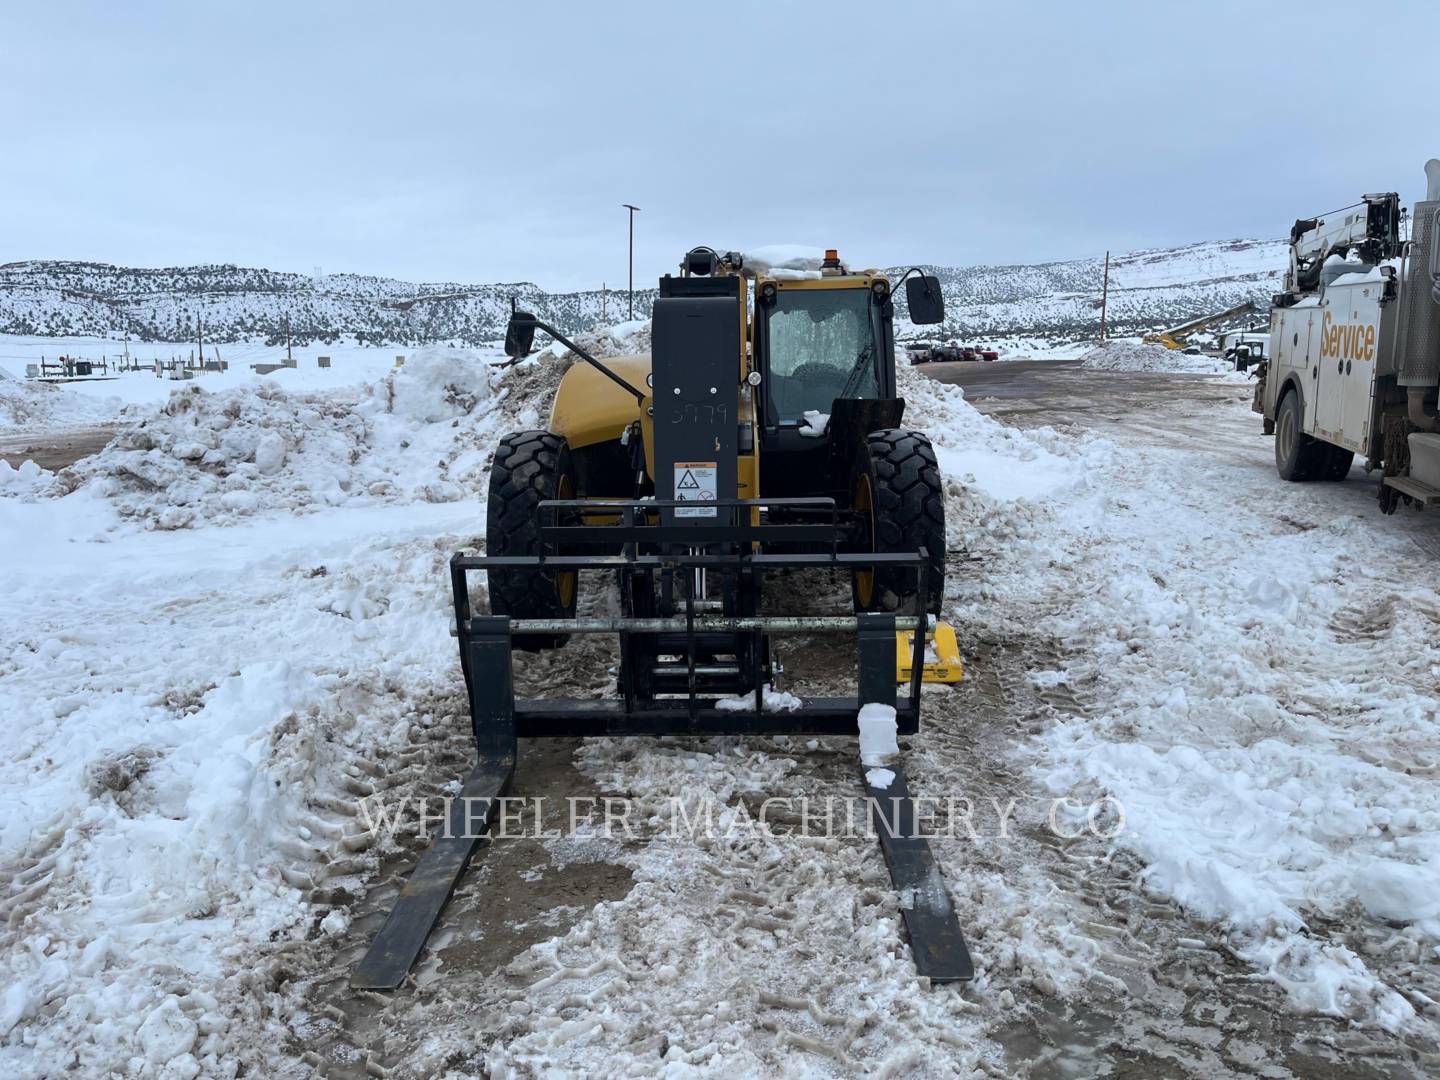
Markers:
<point>1354,359</point>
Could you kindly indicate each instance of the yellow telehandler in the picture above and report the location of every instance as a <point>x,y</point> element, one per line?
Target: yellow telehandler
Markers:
<point>763,433</point>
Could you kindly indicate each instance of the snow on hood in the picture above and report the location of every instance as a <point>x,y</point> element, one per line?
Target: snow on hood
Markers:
<point>793,261</point>
<point>1359,277</point>
<point>769,257</point>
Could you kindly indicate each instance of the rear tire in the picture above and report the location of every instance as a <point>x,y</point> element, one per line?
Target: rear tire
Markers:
<point>1337,464</point>
<point>529,467</point>
<point>896,484</point>
<point>1298,457</point>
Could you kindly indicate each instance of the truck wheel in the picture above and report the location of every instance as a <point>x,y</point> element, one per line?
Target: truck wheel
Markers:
<point>1297,456</point>
<point>529,467</point>
<point>897,490</point>
<point>1337,464</point>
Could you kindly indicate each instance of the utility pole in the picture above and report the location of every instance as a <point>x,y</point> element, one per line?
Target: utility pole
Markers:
<point>604,303</point>
<point>200,335</point>
<point>288,358</point>
<point>632,210</point>
<point>1104,296</point>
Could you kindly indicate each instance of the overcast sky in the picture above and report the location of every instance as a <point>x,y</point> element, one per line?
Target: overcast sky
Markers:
<point>487,142</point>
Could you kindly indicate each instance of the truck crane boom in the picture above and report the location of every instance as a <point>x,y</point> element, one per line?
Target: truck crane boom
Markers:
<point>1371,227</point>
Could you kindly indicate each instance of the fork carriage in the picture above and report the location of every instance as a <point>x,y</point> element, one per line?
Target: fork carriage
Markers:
<point>691,634</point>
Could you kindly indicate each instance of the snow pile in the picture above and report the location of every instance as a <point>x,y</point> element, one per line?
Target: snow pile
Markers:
<point>1255,836</point>
<point>622,339</point>
<point>193,717</point>
<point>782,274</point>
<point>997,478</point>
<point>1136,356</point>
<point>1245,788</point>
<point>207,457</point>
<point>793,262</point>
<point>161,825</point>
<point>423,433</point>
<point>350,366</point>
<point>41,405</point>
<point>28,481</point>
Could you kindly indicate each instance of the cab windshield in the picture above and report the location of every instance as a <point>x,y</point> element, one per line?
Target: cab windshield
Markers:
<point>822,345</point>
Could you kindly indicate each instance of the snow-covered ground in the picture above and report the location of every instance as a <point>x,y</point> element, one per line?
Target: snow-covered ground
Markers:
<point>231,625</point>
<point>1261,701</point>
<point>184,705</point>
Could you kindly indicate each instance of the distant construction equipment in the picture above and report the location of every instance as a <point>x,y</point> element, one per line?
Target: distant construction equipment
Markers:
<point>1175,337</point>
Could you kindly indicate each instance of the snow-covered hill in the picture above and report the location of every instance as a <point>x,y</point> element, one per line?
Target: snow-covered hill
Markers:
<point>1149,290</point>
<point>74,299</point>
<point>1054,302</point>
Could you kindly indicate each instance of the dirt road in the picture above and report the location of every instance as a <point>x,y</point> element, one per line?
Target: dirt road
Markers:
<point>54,450</point>
<point>1061,393</point>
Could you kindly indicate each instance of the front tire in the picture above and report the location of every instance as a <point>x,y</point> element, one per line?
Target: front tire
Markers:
<point>1298,457</point>
<point>529,468</point>
<point>897,490</point>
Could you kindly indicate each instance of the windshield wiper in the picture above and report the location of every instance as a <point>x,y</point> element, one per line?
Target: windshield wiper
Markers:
<point>852,383</point>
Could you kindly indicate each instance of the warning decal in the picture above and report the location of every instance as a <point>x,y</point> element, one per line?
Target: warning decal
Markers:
<point>695,482</point>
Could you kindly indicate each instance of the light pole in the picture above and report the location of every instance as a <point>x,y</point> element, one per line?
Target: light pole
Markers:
<point>1104,295</point>
<point>632,210</point>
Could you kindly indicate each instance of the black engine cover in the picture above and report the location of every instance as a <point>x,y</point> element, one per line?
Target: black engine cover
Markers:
<point>696,371</point>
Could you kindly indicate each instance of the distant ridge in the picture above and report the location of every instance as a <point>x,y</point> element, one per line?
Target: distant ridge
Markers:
<point>1053,302</point>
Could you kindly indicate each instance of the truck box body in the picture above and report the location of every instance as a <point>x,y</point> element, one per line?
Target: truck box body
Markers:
<point>1332,348</point>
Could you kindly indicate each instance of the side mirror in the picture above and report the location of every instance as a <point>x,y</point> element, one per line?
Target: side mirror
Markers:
<point>923,297</point>
<point>519,334</point>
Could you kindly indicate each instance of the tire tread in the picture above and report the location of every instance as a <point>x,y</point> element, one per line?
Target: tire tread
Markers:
<point>909,498</point>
